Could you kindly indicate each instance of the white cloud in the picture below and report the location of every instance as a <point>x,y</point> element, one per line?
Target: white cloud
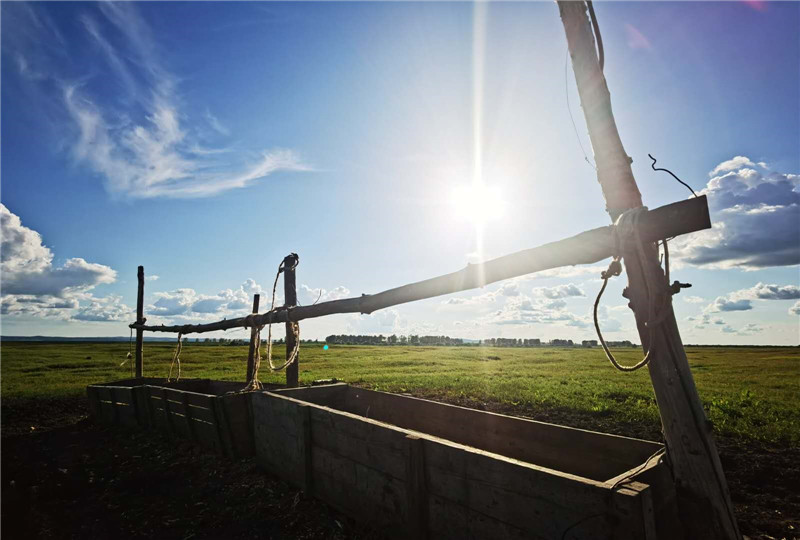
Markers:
<point>27,264</point>
<point>559,291</point>
<point>32,287</point>
<point>795,309</point>
<point>763,291</point>
<point>153,277</point>
<point>311,296</point>
<point>738,162</point>
<point>107,309</point>
<point>755,218</point>
<point>147,142</point>
<point>694,299</point>
<point>187,304</point>
<point>742,300</point>
<point>723,303</point>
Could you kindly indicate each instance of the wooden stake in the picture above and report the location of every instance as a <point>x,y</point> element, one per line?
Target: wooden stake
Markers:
<point>703,497</point>
<point>290,295</point>
<point>140,320</point>
<point>254,343</point>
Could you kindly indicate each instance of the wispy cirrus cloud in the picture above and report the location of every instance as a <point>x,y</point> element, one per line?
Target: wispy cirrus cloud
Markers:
<point>143,142</point>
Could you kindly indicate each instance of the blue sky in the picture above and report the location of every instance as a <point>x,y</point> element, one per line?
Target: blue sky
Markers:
<point>206,141</point>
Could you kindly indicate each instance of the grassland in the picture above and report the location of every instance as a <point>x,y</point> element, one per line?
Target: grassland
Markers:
<point>748,393</point>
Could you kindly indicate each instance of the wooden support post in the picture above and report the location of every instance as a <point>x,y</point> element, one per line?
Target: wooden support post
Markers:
<point>290,295</point>
<point>703,497</point>
<point>254,343</point>
<point>140,319</point>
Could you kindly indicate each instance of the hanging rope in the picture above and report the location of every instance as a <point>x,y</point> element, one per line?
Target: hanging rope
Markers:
<point>627,224</point>
<point>254,383</point>
<point>130,353</point>
<point>176,358</point>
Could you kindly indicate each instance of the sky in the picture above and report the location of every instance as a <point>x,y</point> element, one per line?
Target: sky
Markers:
<point>206,141</point>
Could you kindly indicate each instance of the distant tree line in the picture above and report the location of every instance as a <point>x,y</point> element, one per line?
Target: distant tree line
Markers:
<point>350,339</point>
<point>415,340</point>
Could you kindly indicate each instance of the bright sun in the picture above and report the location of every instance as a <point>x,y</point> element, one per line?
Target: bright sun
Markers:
<point>477,203</point>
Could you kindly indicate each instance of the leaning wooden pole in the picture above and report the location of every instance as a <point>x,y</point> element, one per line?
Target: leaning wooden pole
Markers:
<point>254,342</point>
<point>703,498</point>
<point>290,300</point>
<point>140,320</point>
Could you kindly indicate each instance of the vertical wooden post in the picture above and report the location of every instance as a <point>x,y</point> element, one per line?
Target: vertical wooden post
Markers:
<point>251,353</point>
<point>290,294</point>
<point>140,320</point>
<point>703,497</point>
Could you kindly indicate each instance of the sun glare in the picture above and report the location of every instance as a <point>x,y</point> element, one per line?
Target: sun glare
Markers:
<point>477,203</point>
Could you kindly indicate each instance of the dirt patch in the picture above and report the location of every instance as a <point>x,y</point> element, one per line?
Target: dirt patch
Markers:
<point>68,478</point>
<point>85,481</point>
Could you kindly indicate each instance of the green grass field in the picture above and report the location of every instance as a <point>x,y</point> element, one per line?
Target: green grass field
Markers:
<point>750,393</point>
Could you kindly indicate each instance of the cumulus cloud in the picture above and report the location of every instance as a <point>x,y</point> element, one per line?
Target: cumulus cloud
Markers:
<point>311,296</point>
<point>723,303</point>
<point>755,215</point>
<point>742,300</point>
<point>186,304</point>
<point>33,287</point>
<point>559,291</point>
<point>146,143</point>
<point>795,309</point>
<point>27,264</point>
<point>693,299</point>
<point>736,163</point>
<point>763,291</point>
<point>107,309</point>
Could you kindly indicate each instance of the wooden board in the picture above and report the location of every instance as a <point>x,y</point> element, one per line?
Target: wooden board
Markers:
<point>557,447</point>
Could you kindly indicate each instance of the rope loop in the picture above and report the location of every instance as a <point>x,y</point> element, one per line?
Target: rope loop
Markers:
<point>626,231</point>
<point>294,327</point>
<point>176,358</point>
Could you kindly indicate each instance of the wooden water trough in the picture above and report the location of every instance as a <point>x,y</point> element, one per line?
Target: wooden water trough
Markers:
<point>211,413</point>
<point>416,468</point>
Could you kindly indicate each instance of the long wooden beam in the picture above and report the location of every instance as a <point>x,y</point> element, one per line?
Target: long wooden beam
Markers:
<point>585,248</point>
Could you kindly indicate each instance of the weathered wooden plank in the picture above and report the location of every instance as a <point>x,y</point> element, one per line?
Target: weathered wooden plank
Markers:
<point>416,489</point>
<point>520,494</point>
<point>449,520</point>
<point>350,500</point>
<point>361,446</point>
<point>223,427</point>
<point>108,407</point>
<point>329,395</point>
<point>93,395</point>
<point>358,427</point>
<point>239,424</point>
<point>304,448</point>
<point>121,394</point>
<point>381,490</point>
<point>141,406</point>
<point>549,445</point>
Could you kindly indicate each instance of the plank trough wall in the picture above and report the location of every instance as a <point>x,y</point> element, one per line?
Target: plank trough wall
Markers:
<point>197,409</point>
<point>415,484</point>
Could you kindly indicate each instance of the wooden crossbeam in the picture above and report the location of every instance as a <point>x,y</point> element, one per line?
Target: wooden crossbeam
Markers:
<point>585,248</point>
